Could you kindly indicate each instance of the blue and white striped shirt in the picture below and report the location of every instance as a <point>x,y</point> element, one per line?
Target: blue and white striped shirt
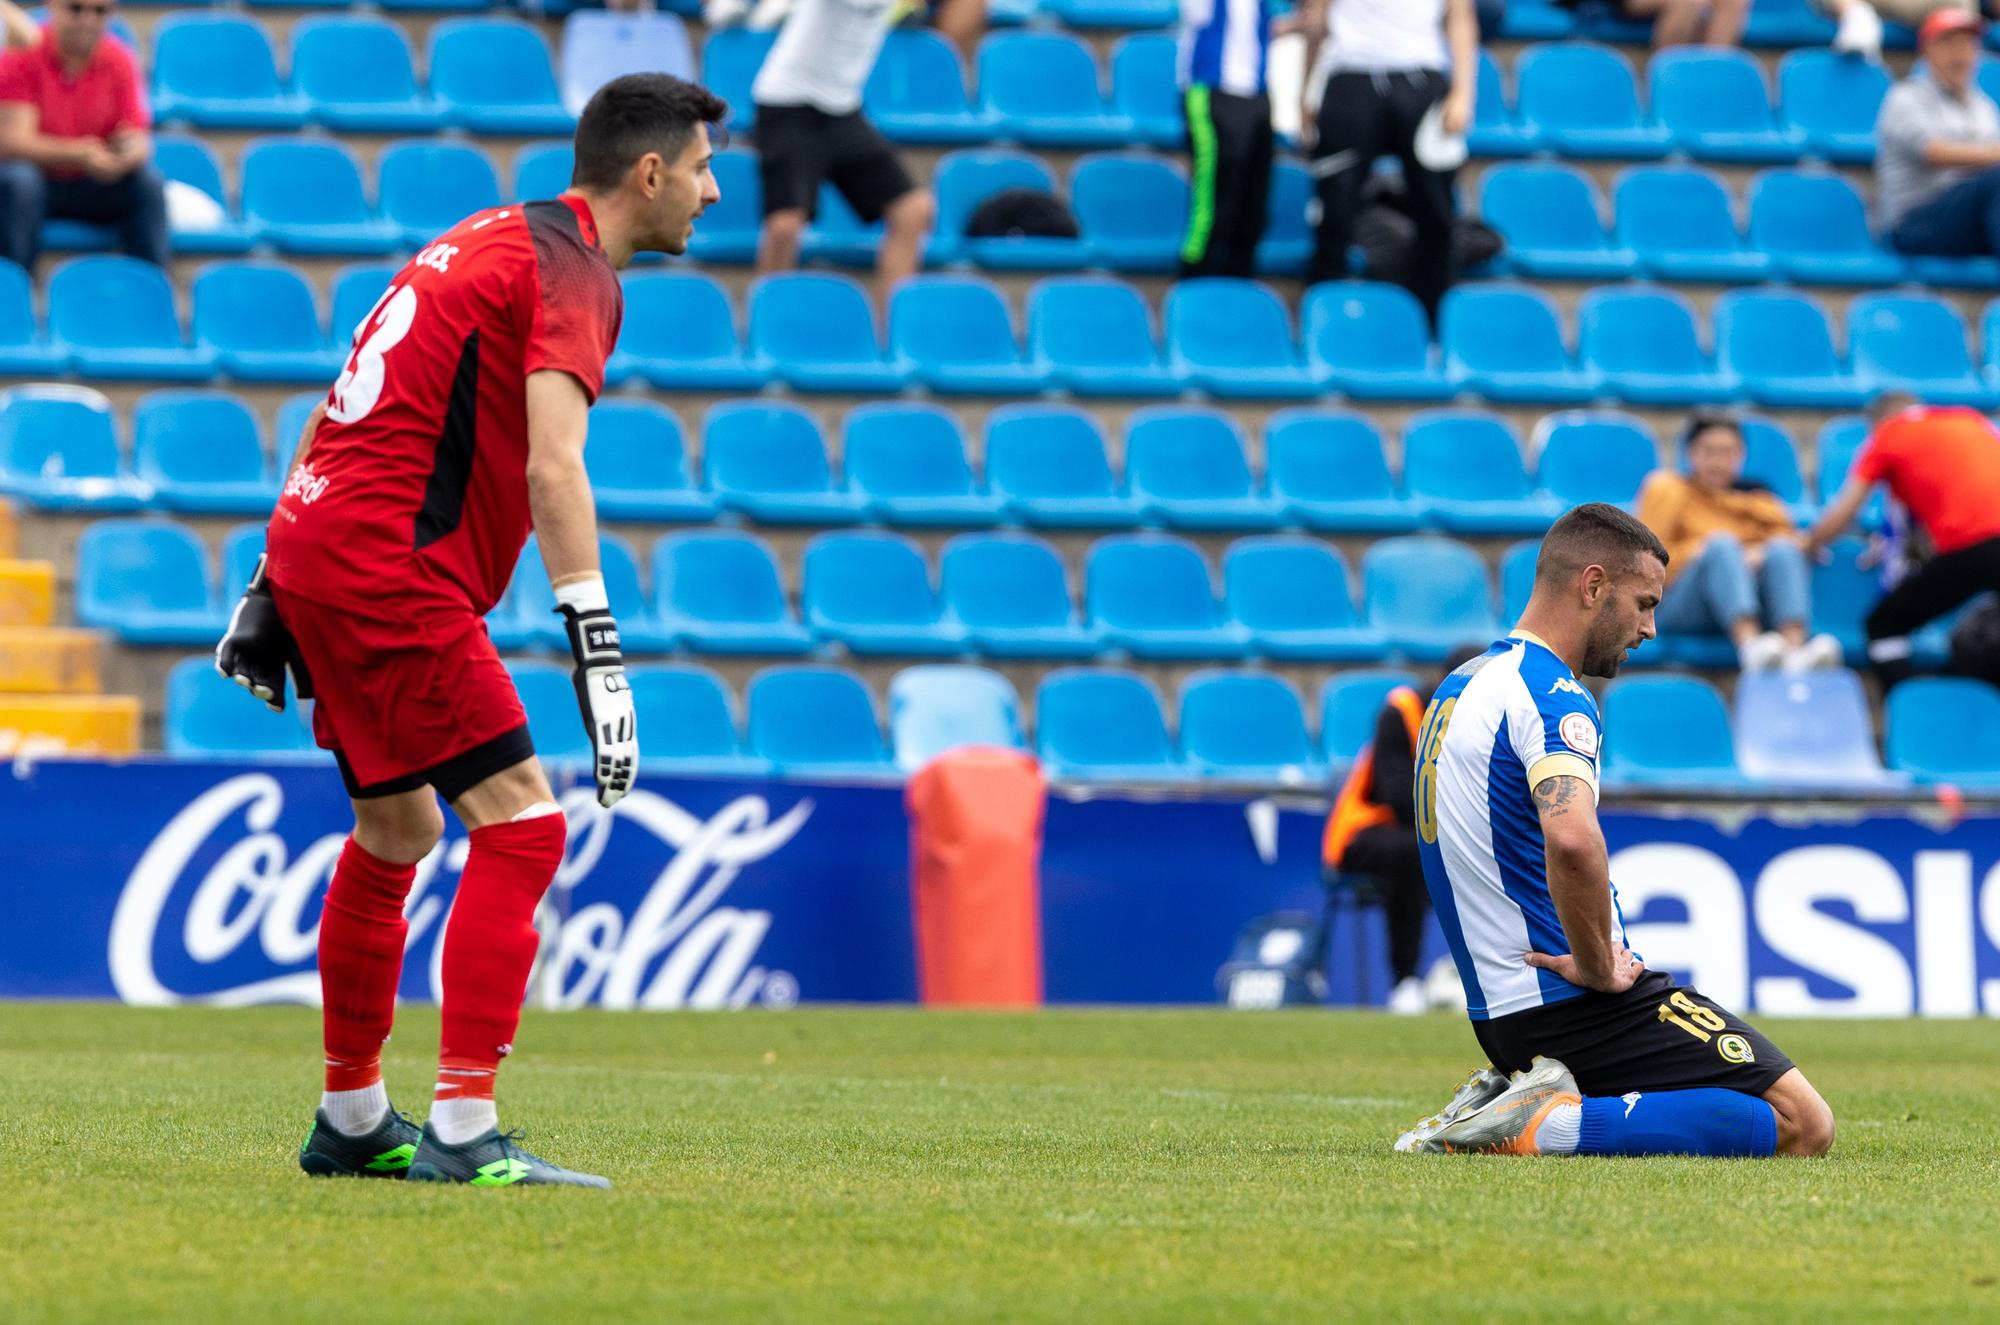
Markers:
<point>1225,45</point>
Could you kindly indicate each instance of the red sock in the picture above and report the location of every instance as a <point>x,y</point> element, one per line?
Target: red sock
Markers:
<point>489,946</point>
<point>360,961</point>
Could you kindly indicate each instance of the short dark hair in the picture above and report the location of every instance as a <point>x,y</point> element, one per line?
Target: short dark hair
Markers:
<point>1702,420</point>
<point>636,114</point>
<point>1889,404</point>
<point>1594,534</point>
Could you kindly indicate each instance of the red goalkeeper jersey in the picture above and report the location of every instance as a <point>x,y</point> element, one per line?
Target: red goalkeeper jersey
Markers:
<point>414,494</point>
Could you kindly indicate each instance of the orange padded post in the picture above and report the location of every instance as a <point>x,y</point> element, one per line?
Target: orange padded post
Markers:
<point>975,867</point>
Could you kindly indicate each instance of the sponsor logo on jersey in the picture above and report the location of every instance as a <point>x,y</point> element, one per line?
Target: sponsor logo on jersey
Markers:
<point>1579,733</point>
<point>305,485</point>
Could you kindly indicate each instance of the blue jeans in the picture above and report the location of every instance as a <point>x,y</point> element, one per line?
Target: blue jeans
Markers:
<point>135,206</point>
<point>1961,222</point>
<point>1718,589</point>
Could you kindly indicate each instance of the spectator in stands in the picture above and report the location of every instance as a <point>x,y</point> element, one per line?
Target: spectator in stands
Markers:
<point>1861,20</point>
<point>1738,563</point>
<point>16,27</point>
<point>1937,152</point>
<point>1943,466</point>
<point>1684,22</point>
<point>1384,64</point>
<point>74,138</point>
<point>810,128</point>
<point>1224,47</point>
<point>962,23</point>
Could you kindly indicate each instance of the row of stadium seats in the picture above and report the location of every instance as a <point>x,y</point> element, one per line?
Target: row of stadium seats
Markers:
<point>50,675</point>
<point>1662,733</point>
<point>993,595</point>
<point>1081,14</point>
<point>908,464</point>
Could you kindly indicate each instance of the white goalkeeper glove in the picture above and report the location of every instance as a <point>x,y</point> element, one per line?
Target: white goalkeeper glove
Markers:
<point>601,689</point>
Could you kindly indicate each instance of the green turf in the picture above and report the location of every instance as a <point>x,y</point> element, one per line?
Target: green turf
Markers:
<point>846,1165</point>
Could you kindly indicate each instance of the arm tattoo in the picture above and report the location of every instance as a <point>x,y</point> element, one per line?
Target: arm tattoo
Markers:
<point>1554,795</point>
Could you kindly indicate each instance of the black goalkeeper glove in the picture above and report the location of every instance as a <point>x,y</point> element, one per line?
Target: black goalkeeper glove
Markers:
<point>257,648</point>
<point>601,689</point>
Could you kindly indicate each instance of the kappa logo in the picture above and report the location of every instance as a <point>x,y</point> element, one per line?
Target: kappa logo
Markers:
<point>1735,1049</point>
<point>1564,684</point>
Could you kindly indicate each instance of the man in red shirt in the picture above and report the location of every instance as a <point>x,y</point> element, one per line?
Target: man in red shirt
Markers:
<point>457,426</point>
<point>74,140</point>
<point>1943,465</point>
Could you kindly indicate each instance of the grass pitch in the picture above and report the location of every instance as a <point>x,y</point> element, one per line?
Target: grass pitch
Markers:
<point>849,1165</point>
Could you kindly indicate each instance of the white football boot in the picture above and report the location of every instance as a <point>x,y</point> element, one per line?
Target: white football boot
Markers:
<point>1479,1089</point>
<point>1506,1124</point>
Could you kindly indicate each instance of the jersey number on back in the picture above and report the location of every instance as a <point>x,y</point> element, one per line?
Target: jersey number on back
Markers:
<point>1429,740</point>
<point>360,386</point>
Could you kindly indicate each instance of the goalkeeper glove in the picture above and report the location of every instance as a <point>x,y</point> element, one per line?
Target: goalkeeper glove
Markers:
<point>601,689</point>
<point>256,648</point>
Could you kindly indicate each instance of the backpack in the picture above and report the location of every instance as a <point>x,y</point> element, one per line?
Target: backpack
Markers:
<point>1014,213</point>
<point>1975,643</point>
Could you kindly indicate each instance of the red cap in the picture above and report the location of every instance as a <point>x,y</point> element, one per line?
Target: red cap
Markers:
<point>1945,22</point>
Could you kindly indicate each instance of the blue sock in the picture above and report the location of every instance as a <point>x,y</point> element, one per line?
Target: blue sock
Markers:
<point>1678,1122</point>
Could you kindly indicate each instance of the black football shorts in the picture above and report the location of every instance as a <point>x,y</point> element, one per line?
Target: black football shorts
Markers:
<point>799,146</point>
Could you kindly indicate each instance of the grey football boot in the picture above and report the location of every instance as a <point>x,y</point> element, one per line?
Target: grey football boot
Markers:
<point>1506,1124</point>
<point>1478,1090</point>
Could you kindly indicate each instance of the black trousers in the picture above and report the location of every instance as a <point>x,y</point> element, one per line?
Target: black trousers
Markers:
<point>1388,853</point>
<point>1363,117</point>
<point>1935,588</point>
<point>1230,149</point>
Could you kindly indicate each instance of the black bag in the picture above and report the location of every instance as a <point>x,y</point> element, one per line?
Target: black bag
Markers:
<point>1975,643</point>
<point>1015,213</point>
<point>1388,237</point>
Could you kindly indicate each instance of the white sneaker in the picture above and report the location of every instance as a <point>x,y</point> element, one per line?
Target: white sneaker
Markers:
<point>1408,998</point>
<point>1860,32</point>
<point>1442,985</point>
<point>1819,652</point>
<point>1760,653</point>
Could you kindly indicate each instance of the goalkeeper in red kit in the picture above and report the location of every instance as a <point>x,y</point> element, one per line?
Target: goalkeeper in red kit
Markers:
<point>457,426</point>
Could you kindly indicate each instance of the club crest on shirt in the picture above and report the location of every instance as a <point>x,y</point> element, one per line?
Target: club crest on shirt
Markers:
<point>1579,733</point>
<point>1735,1049</point>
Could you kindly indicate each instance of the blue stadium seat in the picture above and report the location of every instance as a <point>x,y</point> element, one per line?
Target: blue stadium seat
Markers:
<point>1247,727</point>
<point>957,337</point>
<point>549,698</point>
<point>679,333</point>
<point>872,593</point>
<point>209,716</point>
<point>1942,731</point>
<point>639,627</point>
<point>1844,592</point>
<point>941,707</point>
<point>1329,471</point>
<point>241,547</point>
<point>1153,595</point>
<point>1497,129</point>
<point>114,317</point>
<point>1552,220</point>
<point>1770,458</point>
<point>357,288</point>
<point>1114,14</point>
<point>1506,343</point>
<point>1096,724</point>
<point>1371,341</point>
<point>1042,89</point>
<point>816,722</point>
<point>1427,595</point>
<point>1190,470</point>
<point>542,170</point>
<point>1584,99</point>
<point>600,45</point>
<point>59,451</point>
<point>1537,20</point>
<point>1012,595</point>
<point>1288,240</point>
<point>1517,578</point>
<point>1833,99</point>
<point>1816,230</point>
<point>638,464</point>
<point>908,462</point>
<point>1668,732</point>
<point>718,592</point>
<point>837,235</point>
<point>1839,441</point>
<point>1145,90</point>
<point>1096,336</point>
<point>1780,346</point>
<point>1350,702</point>
<point>964,180</point>
<point>428,186</point>
<point>438,6</point>
<point>191,162</point>
<point>148,582</point>
<point>220,73</point>
<point>493,76</point>
<point>1594,455</point>
<point>1785,23</point>
<point>356,75</point>
<point>767,461</point>
<point>730,60</point>
<point>1048,463</point>
<point>688,723</point>
<point>24,346</point>
<point>818,333</point>
<point>1644,344</point>
<point>1132,210</point>
<point>1811,731</point>
<point>1915,342</point>
<point>916,92</point>
<point>1234,339</point>
<point>1716,104</point>
<point>1680,222</point>
<point>291,426</point>
<point>262,324</point>
<point>1464,468</point>
<point>306,196</point>
<point>1293,596</point>
<point>203,453</point>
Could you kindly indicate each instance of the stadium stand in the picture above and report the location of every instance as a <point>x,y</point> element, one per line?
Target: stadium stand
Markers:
<point>936,709</point>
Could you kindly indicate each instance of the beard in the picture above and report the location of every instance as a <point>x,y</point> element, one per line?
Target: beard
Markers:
<point>1604,649</point>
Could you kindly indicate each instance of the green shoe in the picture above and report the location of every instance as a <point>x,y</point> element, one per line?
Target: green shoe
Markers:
<point>383,1153</point>
<point>493,1160</point>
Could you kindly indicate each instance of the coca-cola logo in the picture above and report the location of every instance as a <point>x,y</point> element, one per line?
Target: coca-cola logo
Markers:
<point>678,947</point>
